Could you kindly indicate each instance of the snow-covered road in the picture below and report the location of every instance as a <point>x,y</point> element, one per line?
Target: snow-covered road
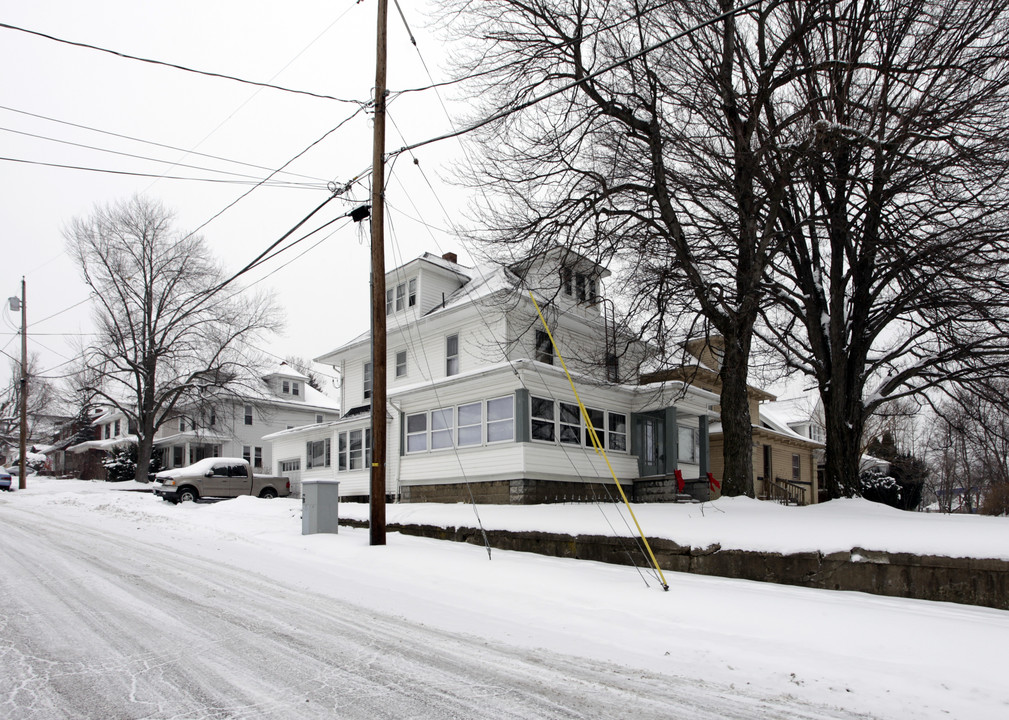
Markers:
<point>101,625</point>
<point>115,604</point>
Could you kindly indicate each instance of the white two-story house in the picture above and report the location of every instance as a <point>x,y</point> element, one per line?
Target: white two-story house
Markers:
<point>230,424</point>
<point>478,403</point>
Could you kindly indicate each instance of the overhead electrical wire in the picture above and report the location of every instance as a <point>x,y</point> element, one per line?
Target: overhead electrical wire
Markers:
<point>176,66</point>
<point>643,549</point>
<point>173,163</point>
<point>109,171</point>
<point>575,83</point>
<point>152,142</point>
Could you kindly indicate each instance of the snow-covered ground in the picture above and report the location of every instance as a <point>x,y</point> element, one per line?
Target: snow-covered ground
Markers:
<point>762,650</point>
<point>735,523</point>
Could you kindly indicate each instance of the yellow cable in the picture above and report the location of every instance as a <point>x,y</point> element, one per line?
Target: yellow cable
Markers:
<point>598,445</point>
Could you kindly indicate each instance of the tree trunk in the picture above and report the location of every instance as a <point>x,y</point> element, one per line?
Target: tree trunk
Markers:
<point>844,420</point>
<point>737,425</point>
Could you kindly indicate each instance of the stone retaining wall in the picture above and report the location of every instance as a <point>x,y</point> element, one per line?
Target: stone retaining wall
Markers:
<point>926,577</point>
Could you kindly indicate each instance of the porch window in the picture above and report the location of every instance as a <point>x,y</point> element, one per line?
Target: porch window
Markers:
<point>416,432</point>
<point>571,424</point>
<point>688,444</point>
<point>617,436</point>
<point>470,423</point>
<point>542,414</point>
<point>441,428</point>
<point>358,449</point>
<point>796,468</point>
<point>108,431</point>
<point>177,459</point>
<point>341,452</point>
<point>596,418</point>
<point>500,419</point>
<point>317,453</point>
<point>116,431</point>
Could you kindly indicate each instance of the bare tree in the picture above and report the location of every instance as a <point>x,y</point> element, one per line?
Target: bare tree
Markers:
<point>168,330</point>
<point>898,226</point>
<point>970,445</point>
<point>667,148</point>
<point>42,403</point>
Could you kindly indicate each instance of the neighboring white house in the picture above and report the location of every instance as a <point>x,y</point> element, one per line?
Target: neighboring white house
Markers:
<point>478,403</point>
<point>230,426</point>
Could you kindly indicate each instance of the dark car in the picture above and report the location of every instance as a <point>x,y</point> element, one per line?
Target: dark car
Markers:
<point>5,479</point>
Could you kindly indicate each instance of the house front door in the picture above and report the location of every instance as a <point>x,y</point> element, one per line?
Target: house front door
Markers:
<point>652,455</point>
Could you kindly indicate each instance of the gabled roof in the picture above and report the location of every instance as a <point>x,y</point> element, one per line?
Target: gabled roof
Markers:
<point>287,371</point>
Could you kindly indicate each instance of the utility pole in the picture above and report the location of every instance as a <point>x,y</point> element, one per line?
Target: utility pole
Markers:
<point>22,482</point>
<point>378,345</point>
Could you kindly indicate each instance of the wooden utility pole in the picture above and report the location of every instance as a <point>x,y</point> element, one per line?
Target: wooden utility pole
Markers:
<point>22,481</point>
<point>378,351</point>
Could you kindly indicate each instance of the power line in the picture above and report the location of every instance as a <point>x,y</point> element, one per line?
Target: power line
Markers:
<point>141,157</point>
<point>575,83</point>
<point>148,142</point>
<point>179,67</point>
<point>107,171</point>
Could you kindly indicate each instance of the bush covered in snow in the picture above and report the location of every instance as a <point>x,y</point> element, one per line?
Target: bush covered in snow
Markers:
<point>121,463</point>
<point>876,485</point>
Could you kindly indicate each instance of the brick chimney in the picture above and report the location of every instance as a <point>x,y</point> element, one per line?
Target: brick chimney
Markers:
<point>451,257</point>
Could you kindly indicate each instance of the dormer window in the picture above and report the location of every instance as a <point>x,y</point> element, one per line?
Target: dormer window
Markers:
<point>295,388</point>
<point>580,286</point>
<point>285,387</point>
<point>401,297</point>
<point>566,276</point>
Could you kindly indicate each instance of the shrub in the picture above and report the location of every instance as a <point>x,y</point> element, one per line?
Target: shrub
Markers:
<point>121,463</point>
<point>996,500</point>
<point>877,486</point>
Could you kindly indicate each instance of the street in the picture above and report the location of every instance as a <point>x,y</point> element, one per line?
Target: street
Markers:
<point>101,625</point>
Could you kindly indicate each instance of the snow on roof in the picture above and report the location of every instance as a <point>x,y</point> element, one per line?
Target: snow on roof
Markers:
<point>794,409</point>
<point>284,370</point>
<point>775,422</point>
<point>103,444</point>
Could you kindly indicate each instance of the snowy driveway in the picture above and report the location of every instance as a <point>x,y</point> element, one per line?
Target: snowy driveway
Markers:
<point>102,626</point>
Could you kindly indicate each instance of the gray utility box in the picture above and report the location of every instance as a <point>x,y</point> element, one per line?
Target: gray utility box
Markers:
<point>320,506</point>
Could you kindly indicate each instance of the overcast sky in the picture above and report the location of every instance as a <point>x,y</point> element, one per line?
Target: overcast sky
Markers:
<point>325,47</point>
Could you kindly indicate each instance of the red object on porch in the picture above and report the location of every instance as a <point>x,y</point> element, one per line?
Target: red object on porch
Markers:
<point>712,483</point>
<point>679,480</point>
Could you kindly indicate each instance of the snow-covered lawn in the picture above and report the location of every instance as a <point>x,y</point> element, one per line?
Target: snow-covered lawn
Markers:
<point>850,654</point>
<point>735,523</point>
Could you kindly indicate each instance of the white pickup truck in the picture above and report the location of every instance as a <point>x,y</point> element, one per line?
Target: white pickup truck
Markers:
<point>218,477</point>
